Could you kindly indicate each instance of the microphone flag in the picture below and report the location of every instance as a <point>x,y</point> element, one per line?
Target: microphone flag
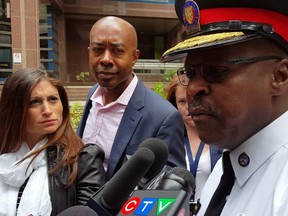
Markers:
<point>157,203</point>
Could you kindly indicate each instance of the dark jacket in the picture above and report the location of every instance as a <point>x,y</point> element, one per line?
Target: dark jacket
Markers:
<point>146,115</point>
<point>91,176</point>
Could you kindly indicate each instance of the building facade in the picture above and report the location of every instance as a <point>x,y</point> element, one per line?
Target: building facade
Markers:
<point>54,34</point>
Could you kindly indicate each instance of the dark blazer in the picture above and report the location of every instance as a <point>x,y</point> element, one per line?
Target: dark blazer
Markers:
<point>147,115</point>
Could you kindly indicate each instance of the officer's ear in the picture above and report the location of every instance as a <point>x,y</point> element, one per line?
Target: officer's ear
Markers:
<point>280,77</point>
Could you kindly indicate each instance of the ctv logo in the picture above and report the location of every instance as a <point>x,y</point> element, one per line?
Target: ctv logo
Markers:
<point>145,206</point>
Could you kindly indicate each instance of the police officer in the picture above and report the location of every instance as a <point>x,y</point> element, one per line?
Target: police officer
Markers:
<point>236,73</point>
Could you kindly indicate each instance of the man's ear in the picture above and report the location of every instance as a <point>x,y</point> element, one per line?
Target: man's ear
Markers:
<point>136,54</point>
<point>280,77</point>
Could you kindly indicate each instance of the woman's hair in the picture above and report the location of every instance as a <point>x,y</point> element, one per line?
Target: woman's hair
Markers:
<point>171,91</point>
<point>14,103</point>
<point>171,94</point>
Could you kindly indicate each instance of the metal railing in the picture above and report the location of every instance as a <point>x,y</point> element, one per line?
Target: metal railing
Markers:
<point>154,66</point>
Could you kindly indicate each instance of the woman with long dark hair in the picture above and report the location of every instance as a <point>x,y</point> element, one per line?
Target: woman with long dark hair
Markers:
<point>44,166</point>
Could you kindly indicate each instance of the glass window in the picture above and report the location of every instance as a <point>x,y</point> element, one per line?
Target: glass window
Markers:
<point>5,42</point>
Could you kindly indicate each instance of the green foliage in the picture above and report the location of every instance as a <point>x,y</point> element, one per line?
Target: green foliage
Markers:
<point>159,87</point>
<point>76,111</point>
<point>169,74</point>
<point>84,77</point>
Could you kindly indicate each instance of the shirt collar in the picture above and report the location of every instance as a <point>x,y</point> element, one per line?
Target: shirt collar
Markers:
<point>259,148</point>
<point>123,98</point>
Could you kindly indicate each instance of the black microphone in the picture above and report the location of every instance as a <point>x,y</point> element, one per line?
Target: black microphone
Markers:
<point>111,196</point>
<point>178,178</point>
<point>170,198</point>
<point>155,173</point>
<point>78,210</point>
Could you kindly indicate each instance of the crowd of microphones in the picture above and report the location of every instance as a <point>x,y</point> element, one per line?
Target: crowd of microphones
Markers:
<point>143,186</point>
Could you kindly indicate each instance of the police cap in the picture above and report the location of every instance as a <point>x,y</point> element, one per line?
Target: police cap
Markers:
<point>213,23</point>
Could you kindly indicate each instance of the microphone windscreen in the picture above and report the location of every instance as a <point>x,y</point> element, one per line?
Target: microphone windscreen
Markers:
<point>178,178</point>
<point>185,174</point>
<point>120,186</point>
<point>78,210</point>
<point>160,150</point>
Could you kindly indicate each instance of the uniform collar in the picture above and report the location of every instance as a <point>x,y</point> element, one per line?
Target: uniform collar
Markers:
<point>251,154</point>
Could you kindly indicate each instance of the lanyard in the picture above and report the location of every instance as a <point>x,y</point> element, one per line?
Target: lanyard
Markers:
<point>193,163</point>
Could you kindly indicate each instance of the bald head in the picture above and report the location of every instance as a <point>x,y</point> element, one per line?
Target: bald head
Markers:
<point>116,25</point>
<point>112,54</point>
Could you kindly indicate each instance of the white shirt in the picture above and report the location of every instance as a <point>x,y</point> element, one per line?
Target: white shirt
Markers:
<point>103,121</point>
<point>260,188</point>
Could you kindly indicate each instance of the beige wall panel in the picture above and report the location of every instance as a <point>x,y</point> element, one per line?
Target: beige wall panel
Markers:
<point>16,32</point>
<point>31,27</point>
<point>32,58</point>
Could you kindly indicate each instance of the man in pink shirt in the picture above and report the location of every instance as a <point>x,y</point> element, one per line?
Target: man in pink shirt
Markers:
<point>120,111</point>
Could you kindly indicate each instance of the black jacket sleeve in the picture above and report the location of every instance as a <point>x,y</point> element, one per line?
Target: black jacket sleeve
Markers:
<point>91,173</point>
